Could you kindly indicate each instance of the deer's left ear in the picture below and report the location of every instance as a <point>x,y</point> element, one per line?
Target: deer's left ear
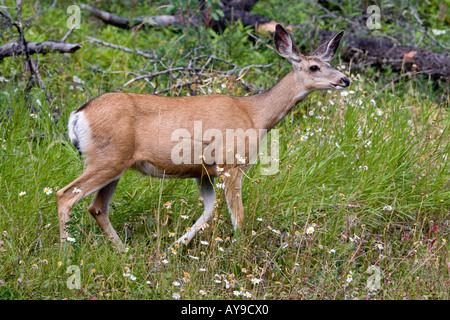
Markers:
<point>327,50</point>
<point>285,46</point>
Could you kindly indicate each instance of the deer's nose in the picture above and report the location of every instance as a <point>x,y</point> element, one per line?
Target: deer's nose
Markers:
<point>346,81</point>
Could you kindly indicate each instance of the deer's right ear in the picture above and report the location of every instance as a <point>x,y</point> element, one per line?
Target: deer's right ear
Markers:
<point>285,46</point>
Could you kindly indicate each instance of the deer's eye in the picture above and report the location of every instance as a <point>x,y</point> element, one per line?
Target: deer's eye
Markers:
<point>314,68</point>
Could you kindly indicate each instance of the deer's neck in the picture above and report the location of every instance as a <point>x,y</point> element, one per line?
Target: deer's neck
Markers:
<point>270,107</point>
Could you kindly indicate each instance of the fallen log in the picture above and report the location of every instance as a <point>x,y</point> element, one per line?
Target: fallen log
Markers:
<point>16,48</point>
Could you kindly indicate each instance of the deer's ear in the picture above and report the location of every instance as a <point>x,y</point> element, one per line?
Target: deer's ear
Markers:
<point>327,50</point>
<point>285,46</point>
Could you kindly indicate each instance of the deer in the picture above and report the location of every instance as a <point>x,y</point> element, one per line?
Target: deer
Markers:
<point>117,131</point>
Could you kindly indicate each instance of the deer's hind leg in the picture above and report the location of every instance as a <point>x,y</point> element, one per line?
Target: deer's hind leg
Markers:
<point>99,209</point>
<point>92,180</point>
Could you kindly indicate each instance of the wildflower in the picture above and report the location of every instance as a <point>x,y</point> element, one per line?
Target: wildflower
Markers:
<point>220,185</point>
<point>35,266</point>
<point>219,169</point>
<point>221,249</point>
<point>167,205</point>
<point>165,261</point>
<point>21,262</point>
<point>176,283</point>
<point>202,269</point>
<point>202,292</point>
<point>33,115</point>
<point>344,93</point>
<point>240,159</point>
<point>205,243</point>
<point>77,80</point>
<point>176,296</point>
<point>22,193</point>
<point>70,239</point>
<point>44,261</point>
<point>331,251</point>
<point>247,295</point>
<point>388,208</point>
<point>259,219</point>
<point>184,217</point>
<point>349,278</point>
<point>76,190</point>
<point>59,264</point>
<point>47,225</point>
<point>218,91</point>
<point>444,240</point>
<point>48,191</point>
<point>379,246</point>
<point>171,234</point>
<point>276,231</point>
<point>237,293</point>
<point>303,138</point>
<point>193,257</point>
<point>310,230</point>
<point>174,251</point>
<point>256,281</point>
<point>253,233</point>
<point>133,278</point>
<point>226,174</point>
<point>379,112</point>
<point>219,239</point>
<point>92,270</point>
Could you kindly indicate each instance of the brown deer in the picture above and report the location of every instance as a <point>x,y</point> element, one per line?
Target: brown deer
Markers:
<point>118,131</point>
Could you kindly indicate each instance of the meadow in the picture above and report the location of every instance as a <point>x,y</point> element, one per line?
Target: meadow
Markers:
<point>359,208</point>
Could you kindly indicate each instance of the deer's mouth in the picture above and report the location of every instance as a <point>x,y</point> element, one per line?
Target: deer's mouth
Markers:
<point>338,86</point>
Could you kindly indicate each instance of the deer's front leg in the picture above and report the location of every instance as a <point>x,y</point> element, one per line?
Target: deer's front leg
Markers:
<point>233,196</point>
<point>206,188</point>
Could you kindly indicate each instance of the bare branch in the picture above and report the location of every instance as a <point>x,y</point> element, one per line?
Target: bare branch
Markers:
<point>16,48</point>
<point>153,21</point>
<point>117,47</point>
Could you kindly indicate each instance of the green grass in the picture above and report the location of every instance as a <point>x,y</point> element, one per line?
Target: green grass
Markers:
<point>371,178</point>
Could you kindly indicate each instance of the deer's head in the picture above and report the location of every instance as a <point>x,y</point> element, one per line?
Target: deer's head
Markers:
<point>312,72</point>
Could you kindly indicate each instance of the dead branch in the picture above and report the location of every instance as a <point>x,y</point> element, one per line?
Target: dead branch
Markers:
<point>117,47</point>
<point>16,48</point>
<point>153,21</point>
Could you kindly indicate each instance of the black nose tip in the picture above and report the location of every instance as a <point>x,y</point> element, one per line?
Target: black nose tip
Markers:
<point>346,81</point>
